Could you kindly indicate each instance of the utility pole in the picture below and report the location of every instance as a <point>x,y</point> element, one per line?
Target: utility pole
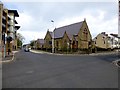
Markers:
<point>118,24</point>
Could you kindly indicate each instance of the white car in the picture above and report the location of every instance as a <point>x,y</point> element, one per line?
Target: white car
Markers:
<point>26,50</point>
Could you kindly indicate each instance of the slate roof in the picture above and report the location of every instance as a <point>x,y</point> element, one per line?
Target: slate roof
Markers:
<point>50,33</point>
<point>71,30</point>
<point>41,41</point>
<point>115,35</point>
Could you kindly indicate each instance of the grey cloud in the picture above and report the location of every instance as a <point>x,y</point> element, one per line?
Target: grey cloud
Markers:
<point>61,10</point>
<point>43,12</point>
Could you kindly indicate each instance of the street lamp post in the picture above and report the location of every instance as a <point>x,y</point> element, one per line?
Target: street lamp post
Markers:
<point>119,24</point>
<point>52,37</point>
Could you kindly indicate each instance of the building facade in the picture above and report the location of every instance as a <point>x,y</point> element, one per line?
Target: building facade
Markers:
<point>48,40</point>
<point>71,37</point>
<point>102,41</point>
<point>74,36</point>
<point>1,11</point>
<point>8,37</point>
<point>115,38</point>
<point>13,28</point>
<point>39,44</point>
<point>3,29</point>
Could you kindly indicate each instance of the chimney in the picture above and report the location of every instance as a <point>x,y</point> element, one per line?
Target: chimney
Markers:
<point>103,33</point>
<point>106,34</point>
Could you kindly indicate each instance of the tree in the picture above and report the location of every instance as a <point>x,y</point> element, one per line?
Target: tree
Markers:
<point>20,39</point>
<point>19,42</point>
<point>32,43</point>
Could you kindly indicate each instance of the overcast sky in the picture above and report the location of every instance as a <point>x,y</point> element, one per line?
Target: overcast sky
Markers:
<point>35,17</point>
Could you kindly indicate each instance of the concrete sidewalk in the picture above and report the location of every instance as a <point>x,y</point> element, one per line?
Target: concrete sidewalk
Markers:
<point>116,63</point>
<point>0,56</point>
<point>8,58</point>
<point>92,54</point>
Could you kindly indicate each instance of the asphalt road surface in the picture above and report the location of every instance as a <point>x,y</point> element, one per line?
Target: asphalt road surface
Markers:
<point>30,70</point>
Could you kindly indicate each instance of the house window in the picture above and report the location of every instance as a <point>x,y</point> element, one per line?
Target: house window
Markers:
<point>104,42</point>
<point>95,42</point>
<point>50,42</point>
<point>89,43</point>
<point>57,43</point>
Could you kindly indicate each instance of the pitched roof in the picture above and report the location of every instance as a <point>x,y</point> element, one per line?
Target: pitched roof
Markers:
<point>71,30</point>
<point>50,33</point>
<point>115,35</point>
<point>103,34</point>
<point>41,41</point>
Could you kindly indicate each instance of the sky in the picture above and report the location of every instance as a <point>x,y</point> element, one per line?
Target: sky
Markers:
<point>35,16</point>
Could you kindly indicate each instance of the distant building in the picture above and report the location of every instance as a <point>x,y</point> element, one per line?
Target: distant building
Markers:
<point>115,40</point>
<point>48,40</point>
<point>39,44</point>
<point>103,41</point>
<point>13,28</point>
<point>75,36</point>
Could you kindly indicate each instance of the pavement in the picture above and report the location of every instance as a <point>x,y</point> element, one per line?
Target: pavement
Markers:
<point>31,70</point>
<point>116,62</point>
<point>8,58</point>
<point>0,56</point>
<point>92,54</point>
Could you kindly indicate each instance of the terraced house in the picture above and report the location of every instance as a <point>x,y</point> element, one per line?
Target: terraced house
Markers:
<point>75,36</point>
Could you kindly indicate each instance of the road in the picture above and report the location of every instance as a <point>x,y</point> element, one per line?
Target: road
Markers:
<point>30,70</point>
